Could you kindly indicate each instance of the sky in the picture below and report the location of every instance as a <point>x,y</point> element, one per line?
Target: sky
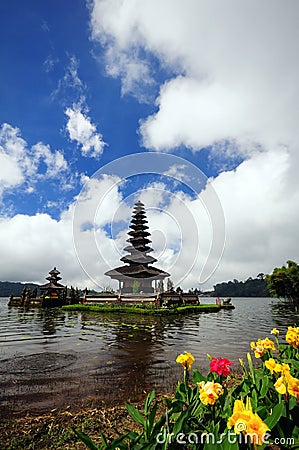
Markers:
<point>190,106</point>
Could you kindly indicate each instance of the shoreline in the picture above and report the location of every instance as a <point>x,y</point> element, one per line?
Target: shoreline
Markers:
<point>54,429</point>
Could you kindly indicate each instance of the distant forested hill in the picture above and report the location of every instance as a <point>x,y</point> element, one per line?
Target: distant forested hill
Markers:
<point>253,287</point>
<point>14,288</point>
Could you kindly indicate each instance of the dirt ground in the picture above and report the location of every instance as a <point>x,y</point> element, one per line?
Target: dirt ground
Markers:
<point>54,430</point>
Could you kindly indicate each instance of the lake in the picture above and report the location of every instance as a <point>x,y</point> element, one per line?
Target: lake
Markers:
<point>52,358</point>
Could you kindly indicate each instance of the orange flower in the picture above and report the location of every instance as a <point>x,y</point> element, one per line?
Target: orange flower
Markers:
<point>186,359</point>
<point>209,392</point>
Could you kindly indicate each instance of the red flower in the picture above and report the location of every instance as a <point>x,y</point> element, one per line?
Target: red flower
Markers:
<point>220,366</point>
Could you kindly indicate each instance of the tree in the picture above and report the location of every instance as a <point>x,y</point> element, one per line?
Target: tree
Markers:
<point>284,282</point>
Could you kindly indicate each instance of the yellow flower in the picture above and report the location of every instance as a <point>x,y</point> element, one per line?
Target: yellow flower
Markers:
<point>280,385</point>
<point>292,336</point>
<point>256,428</point>
<point>268,344</point>
<point>186,359</point>
<point>237,413</point>
<point>246,421</point>
<point>258,348</point>
<point>271,365</point>
<point>261,346</point>
<point>287,383</point>
<point>209,392</point>
<point>293,387</point>
<point>285,369</point>
<point>275,331</point>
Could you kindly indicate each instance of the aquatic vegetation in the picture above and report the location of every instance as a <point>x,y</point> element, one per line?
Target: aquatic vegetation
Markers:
<point>142,309</point>
<point>258,409</point>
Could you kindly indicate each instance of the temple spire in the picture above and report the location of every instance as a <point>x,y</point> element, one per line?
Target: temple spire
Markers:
<point>138,273</point>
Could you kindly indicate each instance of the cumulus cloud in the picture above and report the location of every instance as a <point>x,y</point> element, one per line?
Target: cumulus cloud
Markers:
<point>237,74</point>
<point>84,132</point>
<point>89,237</point>
<point>20,163</point>
<point>231,86</point>
<point>63,240</point>
<point>79,126</point>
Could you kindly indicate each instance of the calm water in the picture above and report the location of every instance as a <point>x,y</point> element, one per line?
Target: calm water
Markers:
<point>49,358</point>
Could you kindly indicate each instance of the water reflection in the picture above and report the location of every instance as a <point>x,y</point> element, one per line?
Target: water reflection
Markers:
<point>119,356</point>
<point>284,314</point>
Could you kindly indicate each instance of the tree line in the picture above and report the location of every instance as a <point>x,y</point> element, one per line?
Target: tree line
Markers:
<point>15,288</point>
<point>252,287</point>
<point>282,283</point>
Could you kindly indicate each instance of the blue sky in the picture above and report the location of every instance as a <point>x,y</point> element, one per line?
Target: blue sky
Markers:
<point>47,41</point>
<point>83,84</point>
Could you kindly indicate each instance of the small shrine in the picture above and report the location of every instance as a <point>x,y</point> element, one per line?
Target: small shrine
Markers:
<point>53,293</point>
<point>137,274</point>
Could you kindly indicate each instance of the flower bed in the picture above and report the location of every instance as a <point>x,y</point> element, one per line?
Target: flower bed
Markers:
<point>260,410</point>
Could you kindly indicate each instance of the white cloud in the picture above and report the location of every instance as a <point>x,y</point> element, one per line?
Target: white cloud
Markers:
<point>54,161</point>
<point>21,164</point>
<point>260,216</point>
<point>181,227</point>
<point>84,132</point>
<point>238,74</point>
<point>33,245</point>
<point>70,83</point>
<point>234,88</point>
<point>79,126</point>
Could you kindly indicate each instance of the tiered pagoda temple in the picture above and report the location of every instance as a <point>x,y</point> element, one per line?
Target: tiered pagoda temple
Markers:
<point>138,274</point>
<point>53,293</point>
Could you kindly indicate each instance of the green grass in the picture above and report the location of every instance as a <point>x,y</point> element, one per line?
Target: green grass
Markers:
<point>141,309</point>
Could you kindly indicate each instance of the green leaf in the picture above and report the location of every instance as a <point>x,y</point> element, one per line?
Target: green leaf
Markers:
<point>197,376</point>
<point>245,390</point>
<point>277,412</point>
<point>116,442</point>
<point>227,444</point>
<point>293,403</point>
<point>87,441</point>
<point>181,392</point>
<point>295,364</point>
<point>152,416</point>
<point>264,388</point>
<point>151,397</point>
<point>254,399</point>
<point>103,439</point>
<point>179,422</point>
<point>135,414</point>
<point>252,370</point>
<point>148,402</point>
